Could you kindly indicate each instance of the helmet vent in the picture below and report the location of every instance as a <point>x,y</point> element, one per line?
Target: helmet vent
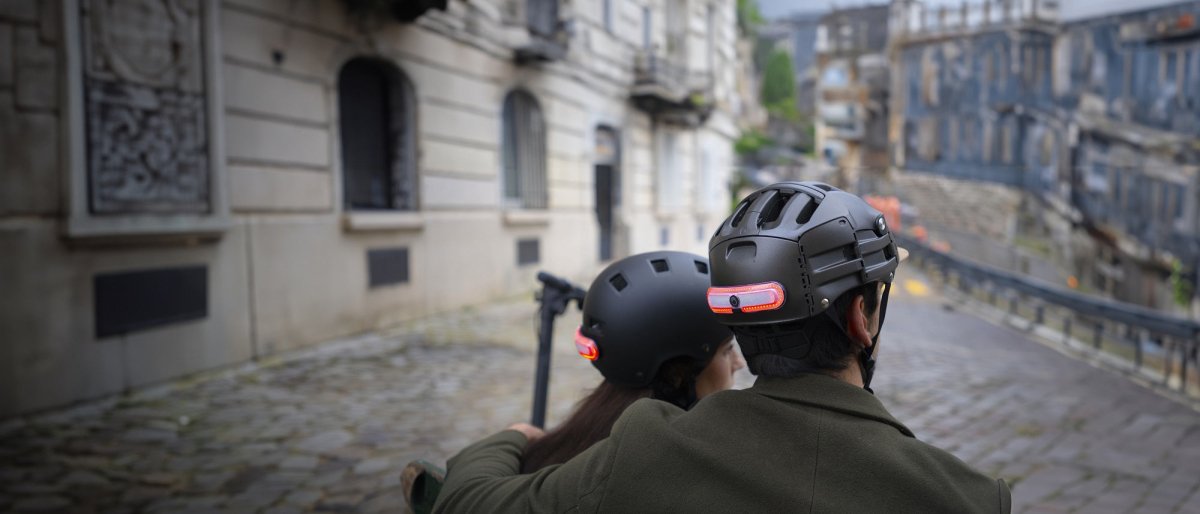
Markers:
<point>771,211</point>
<point>807,212</point>
<point>618,282</point>
<point>701,267</point>
<point>741,210</point>
<point>823,187</point>
<point>660,265</point>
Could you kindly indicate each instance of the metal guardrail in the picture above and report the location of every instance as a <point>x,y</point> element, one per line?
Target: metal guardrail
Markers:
<point>1173,334</point>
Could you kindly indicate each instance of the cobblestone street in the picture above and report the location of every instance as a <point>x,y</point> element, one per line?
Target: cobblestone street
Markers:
<point>329,429</point>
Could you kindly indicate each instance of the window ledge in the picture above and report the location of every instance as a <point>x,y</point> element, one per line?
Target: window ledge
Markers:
<point>527,218</point>
<point>665,216</point>
<point>147,228</point>
<point>383,221</point>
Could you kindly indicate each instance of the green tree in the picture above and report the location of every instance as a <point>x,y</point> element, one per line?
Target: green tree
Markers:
<point>779,85</point>
<point>1180,285</point>
<point>748,16</point>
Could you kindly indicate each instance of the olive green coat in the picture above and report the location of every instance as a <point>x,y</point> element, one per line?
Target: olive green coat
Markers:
<point>807,444</point>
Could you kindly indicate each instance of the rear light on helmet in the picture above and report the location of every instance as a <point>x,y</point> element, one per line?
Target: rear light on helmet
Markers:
<point>766,296</point>
<point>586,346</point>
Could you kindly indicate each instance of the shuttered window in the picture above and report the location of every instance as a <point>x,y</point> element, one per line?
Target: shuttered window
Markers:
<point>542,16</point>
<point>377,122</point>
<point>524,152</point>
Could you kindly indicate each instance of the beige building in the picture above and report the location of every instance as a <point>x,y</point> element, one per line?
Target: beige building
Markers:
<point>190,184</point>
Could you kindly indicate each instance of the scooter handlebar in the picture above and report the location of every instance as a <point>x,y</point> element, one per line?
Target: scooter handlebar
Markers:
<point>562,285</point>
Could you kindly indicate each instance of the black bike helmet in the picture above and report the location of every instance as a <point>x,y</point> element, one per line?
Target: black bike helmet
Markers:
<point>789,251</point>
<point>644,310</point>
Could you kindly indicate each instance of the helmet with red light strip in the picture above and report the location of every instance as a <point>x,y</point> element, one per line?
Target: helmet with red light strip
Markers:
<point>791,249</point>
<point>787,253</point>
<point>644,310</point>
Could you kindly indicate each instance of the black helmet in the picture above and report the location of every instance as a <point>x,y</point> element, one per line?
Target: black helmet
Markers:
<point>787,253</point>
<point>644,310</point>
<point>789,250</point>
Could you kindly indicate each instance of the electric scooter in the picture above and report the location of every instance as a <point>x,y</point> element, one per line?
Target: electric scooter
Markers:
<point>422,480</point>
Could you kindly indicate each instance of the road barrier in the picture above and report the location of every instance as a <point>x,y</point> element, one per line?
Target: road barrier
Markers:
<point>1115,327</point>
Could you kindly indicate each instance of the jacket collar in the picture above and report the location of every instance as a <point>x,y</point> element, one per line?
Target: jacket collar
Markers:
<point>828,393</point>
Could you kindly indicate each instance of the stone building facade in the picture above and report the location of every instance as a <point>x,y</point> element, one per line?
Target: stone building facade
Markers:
<point>852,93</point>
<point>1094,122</point>
<point>190,184</point>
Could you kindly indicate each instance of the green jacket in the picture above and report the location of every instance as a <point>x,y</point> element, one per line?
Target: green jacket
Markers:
<point>807,444</point>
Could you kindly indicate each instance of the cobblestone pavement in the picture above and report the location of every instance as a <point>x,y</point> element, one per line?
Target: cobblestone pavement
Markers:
<point>329,429</point>
<point>1066,436</point>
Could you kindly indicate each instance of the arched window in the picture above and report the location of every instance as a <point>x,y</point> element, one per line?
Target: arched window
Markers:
<point>378,136</point>
<point>524,152</point>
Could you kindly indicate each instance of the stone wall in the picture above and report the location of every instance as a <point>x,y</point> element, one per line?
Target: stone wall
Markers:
<point>29,109</point>
<point>287,264</point>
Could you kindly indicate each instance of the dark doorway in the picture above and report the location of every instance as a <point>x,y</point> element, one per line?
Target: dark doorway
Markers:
<point>608,188</point>
<point>604,208</point>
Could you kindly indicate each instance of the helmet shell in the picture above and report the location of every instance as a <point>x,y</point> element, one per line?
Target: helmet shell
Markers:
<point>646,309</point>
<point>815,240</point>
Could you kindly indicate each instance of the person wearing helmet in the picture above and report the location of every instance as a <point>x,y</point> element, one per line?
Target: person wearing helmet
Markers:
<point>801,272</point>
<point>649,332</point>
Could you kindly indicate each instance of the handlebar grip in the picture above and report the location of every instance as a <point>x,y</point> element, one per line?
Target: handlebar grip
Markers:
<point>560,284</point>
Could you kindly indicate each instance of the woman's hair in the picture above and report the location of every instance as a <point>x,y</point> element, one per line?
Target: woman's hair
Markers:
<point>596,413</point>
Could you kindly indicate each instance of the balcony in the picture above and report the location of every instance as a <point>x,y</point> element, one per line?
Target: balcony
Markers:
<point>670,93</point>
<point>842,121</point>
<point>403,11</point>
<point>540,49</point>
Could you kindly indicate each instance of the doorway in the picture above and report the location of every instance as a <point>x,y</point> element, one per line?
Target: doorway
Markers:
<point>607,180</point>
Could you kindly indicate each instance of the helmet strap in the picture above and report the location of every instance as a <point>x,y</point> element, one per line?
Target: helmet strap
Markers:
<point>866,357</point>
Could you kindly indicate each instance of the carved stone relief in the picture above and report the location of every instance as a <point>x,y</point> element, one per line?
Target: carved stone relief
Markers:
<point>143,77</point>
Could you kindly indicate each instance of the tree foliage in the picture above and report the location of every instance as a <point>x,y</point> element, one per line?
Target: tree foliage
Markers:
<point>748,16</point>
<point>751,142</point>
<point>1181,286</point>
<point>779,81</point>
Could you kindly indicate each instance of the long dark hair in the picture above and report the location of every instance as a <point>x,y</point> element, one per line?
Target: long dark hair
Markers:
<point>596,413</point>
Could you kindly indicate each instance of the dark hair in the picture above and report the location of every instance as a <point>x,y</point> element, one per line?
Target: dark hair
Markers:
<point>596,413</point>
<point>829,348</point>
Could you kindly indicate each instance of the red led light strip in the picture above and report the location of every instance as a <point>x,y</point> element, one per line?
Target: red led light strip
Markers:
<point>586,346</point>
<point>766,296</point>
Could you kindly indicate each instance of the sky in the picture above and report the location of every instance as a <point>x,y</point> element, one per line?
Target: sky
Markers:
<point>1071,9</point>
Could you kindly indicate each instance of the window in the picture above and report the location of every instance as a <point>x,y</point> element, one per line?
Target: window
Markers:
<point>647,29</point>
<point>1027,66</point>
<point>670,186</point>
<point>952,139</point>
<point>710,29</point>
<point>376,119</point>
<point>710,193</point>
<point>1008,142</point>
<point>1048,153</point>
<point>607,15</point>
<point>524,140</point>
<point>929,78</point>
<point>835,75</point>
<point>542,17</point>
<point>989,142</point>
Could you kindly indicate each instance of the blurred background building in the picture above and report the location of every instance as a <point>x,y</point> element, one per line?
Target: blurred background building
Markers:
<point>190,184</point>
<point>1070,145</point>
<point>852,92</point>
